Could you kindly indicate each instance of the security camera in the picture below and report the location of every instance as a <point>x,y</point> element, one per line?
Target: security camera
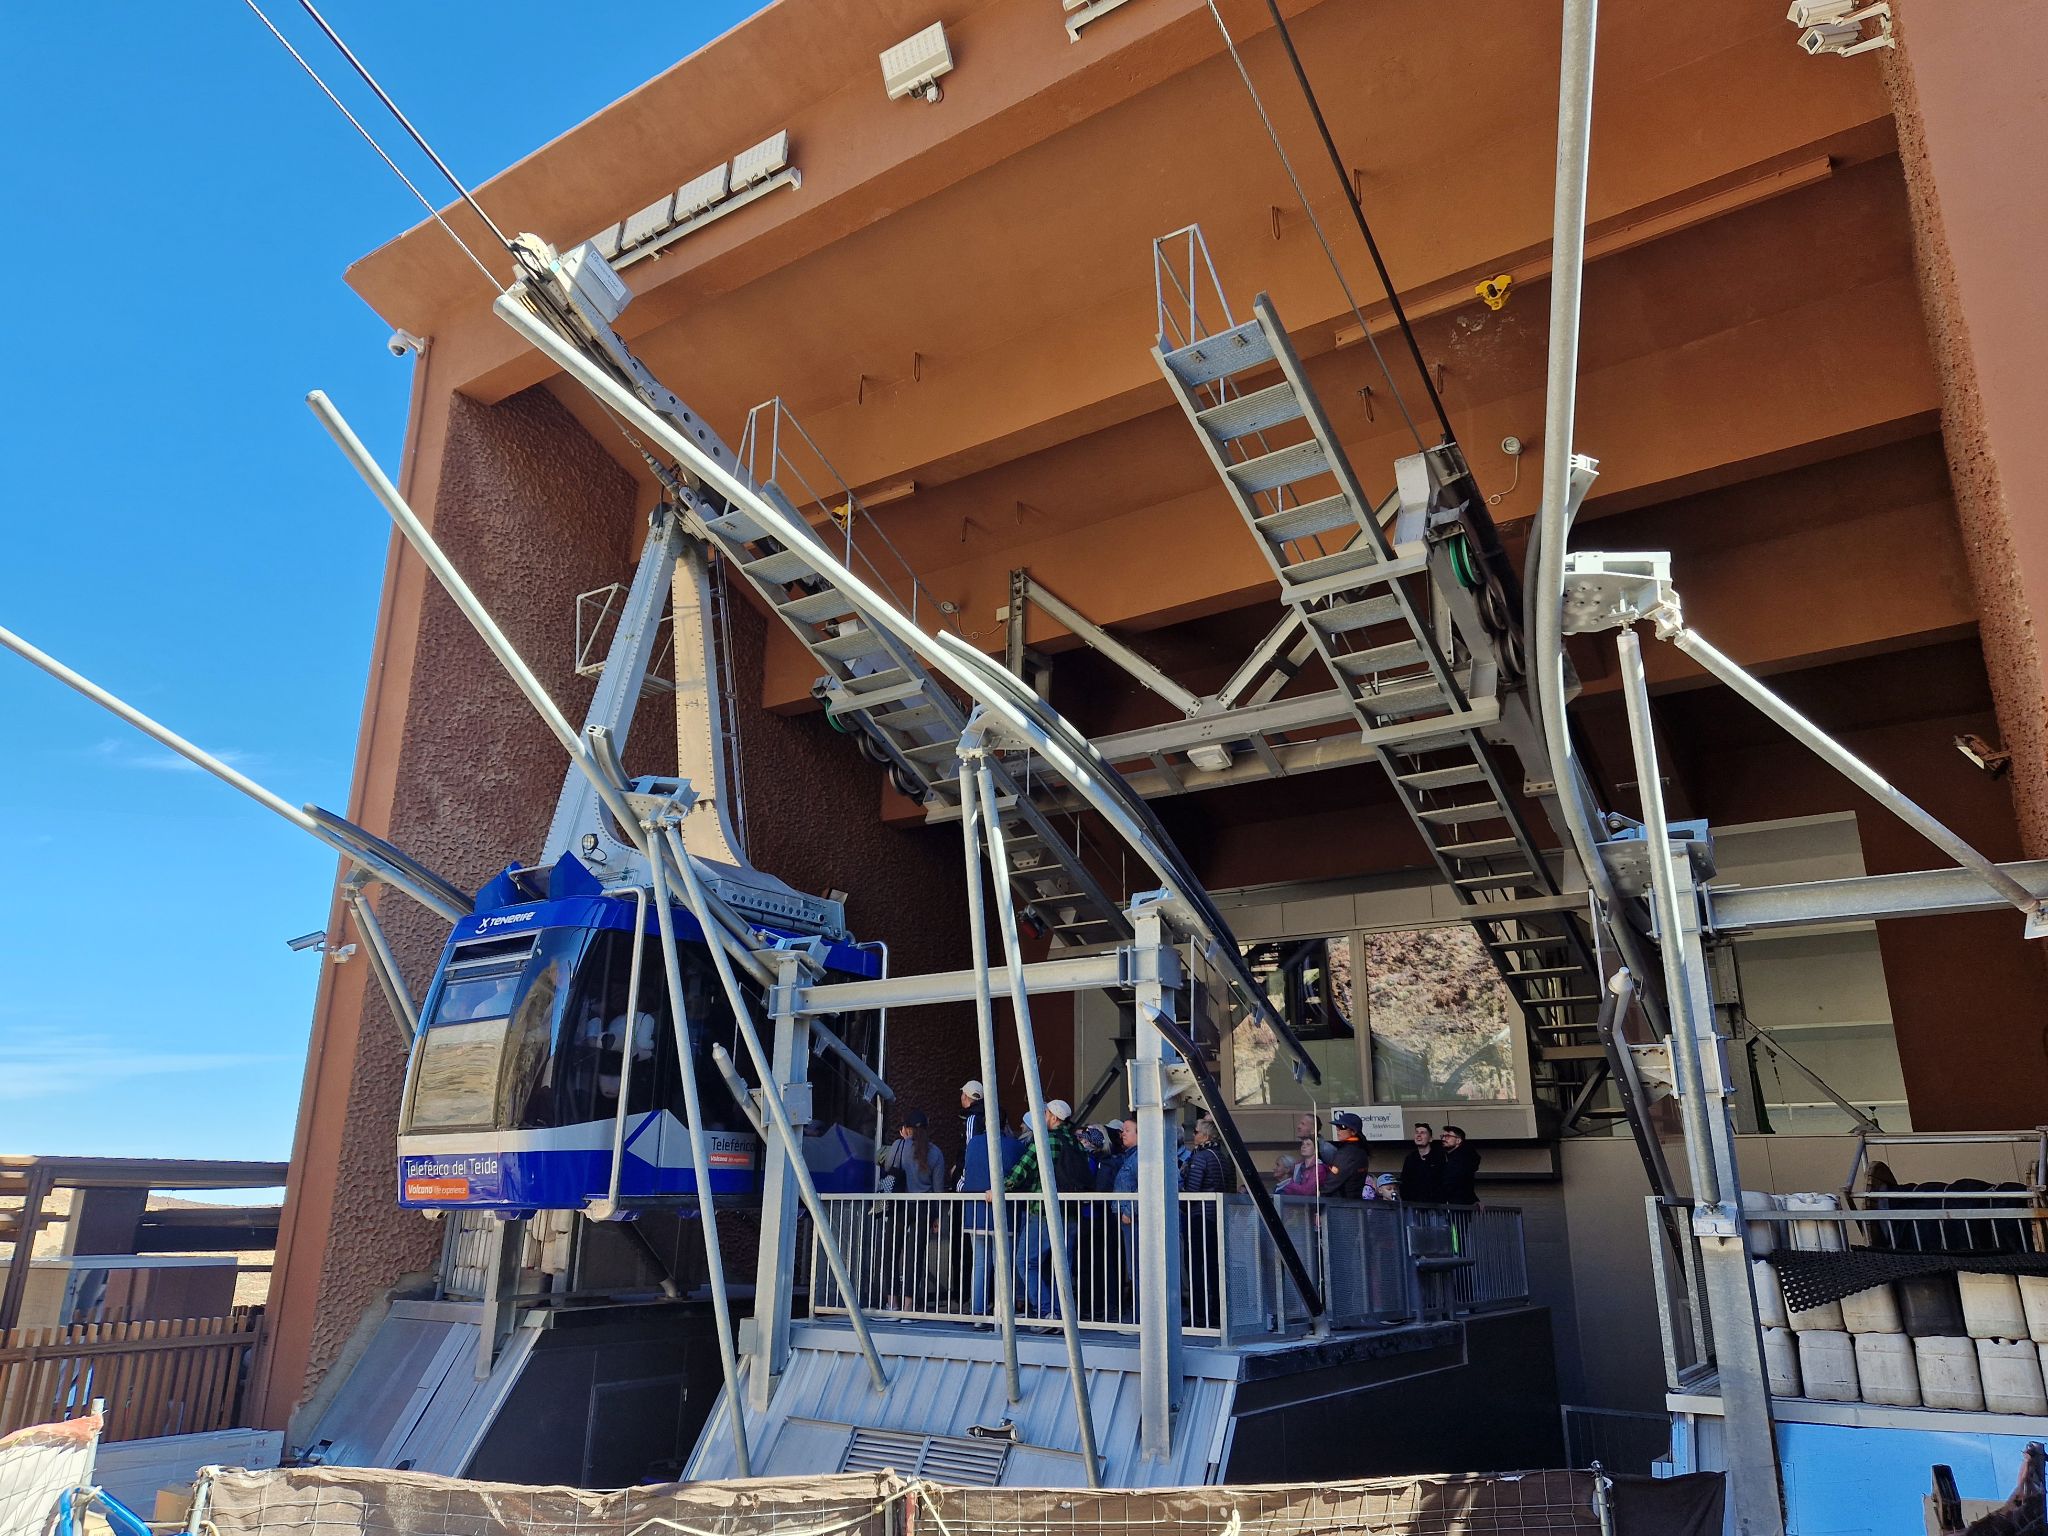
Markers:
<point>403,341</point>
<point>1995,761</point>
<point>1836,26</point>
<point>305,941</point>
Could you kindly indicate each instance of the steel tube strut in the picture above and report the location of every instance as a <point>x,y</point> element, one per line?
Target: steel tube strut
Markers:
<point>1004,1298</point>
<point>1560,394</point>
<point>1034,1090</point>
<point>1096,638</point>
<point>383,963</point>
<point>1728,1296</point>
<point>471,606</point>
<point>700,1144</point>
<point>434,900</point>
<point>985,682</point>
<point>611,1196</point>
<point>1685,1024</point>
<point>1852,767</point>
<point>778,1112</point>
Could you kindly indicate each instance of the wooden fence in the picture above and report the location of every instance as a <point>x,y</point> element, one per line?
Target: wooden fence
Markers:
<point>175,1377</point>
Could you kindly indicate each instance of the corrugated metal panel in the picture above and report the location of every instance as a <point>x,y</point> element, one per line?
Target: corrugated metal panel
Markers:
<point>413,1399</point>
<point>943,1382</point>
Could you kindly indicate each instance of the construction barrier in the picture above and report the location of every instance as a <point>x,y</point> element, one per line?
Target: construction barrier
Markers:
<point>336,1501</point>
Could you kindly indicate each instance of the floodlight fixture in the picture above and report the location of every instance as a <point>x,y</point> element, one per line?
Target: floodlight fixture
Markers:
<point>913,66</point>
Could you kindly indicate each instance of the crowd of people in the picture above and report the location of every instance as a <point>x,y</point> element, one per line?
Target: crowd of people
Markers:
<point>1440,1168</point>
<point>952,1250</point>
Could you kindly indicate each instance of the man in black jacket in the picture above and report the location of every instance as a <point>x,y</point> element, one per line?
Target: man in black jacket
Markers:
<point>1460,1170</point>
<point>1422,1171</point>
<point>1349,1169</point>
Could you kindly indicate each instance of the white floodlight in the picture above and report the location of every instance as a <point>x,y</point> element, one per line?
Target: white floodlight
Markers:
<point>656,215</point>
<point>700,192</point>
<point>758,163</point>
<point>913,66</point>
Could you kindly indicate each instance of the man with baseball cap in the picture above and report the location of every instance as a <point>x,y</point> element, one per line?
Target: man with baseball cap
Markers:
<point>970,1110</point>
<point>1034,1241</point>
<point>1349,1169</point>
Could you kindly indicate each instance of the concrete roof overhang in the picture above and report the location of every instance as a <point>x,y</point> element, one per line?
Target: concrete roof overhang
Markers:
<point>960,296</point>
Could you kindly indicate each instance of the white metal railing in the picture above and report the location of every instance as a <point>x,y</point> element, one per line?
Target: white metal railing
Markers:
<point>792,461</point>
<point>1378,1263</point>
<point>932,1257</point>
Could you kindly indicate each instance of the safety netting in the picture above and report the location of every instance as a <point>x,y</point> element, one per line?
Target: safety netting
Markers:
<point>336,1501</point>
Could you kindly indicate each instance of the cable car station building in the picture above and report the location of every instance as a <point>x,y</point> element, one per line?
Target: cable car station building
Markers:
<point>956,327</point>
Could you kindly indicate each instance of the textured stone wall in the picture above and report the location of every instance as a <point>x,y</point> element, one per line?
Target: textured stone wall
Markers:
<point>2012,644</point>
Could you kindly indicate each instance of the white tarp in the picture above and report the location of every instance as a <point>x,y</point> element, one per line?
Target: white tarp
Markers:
<point>38,1467</point>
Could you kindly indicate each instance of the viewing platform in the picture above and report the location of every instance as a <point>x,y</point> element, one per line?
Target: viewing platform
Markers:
<point>1418,1301</point>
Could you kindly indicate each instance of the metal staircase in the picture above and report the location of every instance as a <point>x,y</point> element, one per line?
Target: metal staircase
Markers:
<point>873,687</point>
<point>1397,621</point>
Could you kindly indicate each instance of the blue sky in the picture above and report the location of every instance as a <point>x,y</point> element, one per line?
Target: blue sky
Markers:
<point>182,203</point>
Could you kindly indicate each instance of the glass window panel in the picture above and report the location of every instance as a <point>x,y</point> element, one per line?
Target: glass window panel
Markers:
<point>457,1081</point>
<point>1442,1020</point>
<point>1310,984</point>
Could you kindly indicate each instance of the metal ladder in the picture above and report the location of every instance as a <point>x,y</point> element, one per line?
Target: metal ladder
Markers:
<point>1396,623</point>
<point>874,688</point>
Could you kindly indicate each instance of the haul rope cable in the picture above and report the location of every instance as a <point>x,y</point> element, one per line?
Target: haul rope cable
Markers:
<point>1372,246</point>
<point>370,139</point>
<point>1323,239</point>
<point>417,137</point>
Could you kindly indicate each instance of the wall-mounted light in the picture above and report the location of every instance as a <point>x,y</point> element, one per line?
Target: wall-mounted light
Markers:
<point>913,66</point>
<point>712,194</point>
<point>762,161</point>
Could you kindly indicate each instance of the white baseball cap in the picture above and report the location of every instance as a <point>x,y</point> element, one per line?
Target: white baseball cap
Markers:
<point>970,1089</point>
<point>1059,1109</point>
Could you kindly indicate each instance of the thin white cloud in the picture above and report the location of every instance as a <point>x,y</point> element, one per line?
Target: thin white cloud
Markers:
<point>38,1061</point>
<point>131,755</point>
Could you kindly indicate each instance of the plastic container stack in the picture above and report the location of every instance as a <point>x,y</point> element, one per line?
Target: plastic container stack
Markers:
<point>2010,1370</point>
<point>1781,1363</point>
<point>1991,1307</point>
<point>1968,1342</point>
<point>1949,1374</point>
<point>1827,1365</point>
<point>1886,1369</point>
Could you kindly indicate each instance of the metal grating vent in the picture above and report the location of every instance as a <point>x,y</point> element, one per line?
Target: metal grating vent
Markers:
<point>965,1460</point>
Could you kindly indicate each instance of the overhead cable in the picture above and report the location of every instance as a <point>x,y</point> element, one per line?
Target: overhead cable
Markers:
<point>405,122</point>
<point>371,139</point>
<point>1323,239</point>
<point>1358,216</point>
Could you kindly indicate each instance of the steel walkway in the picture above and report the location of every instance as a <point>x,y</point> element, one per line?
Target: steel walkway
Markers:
<point>1398,621</point>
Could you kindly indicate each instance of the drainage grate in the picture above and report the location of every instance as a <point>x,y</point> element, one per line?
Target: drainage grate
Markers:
<point>966,1460</point>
